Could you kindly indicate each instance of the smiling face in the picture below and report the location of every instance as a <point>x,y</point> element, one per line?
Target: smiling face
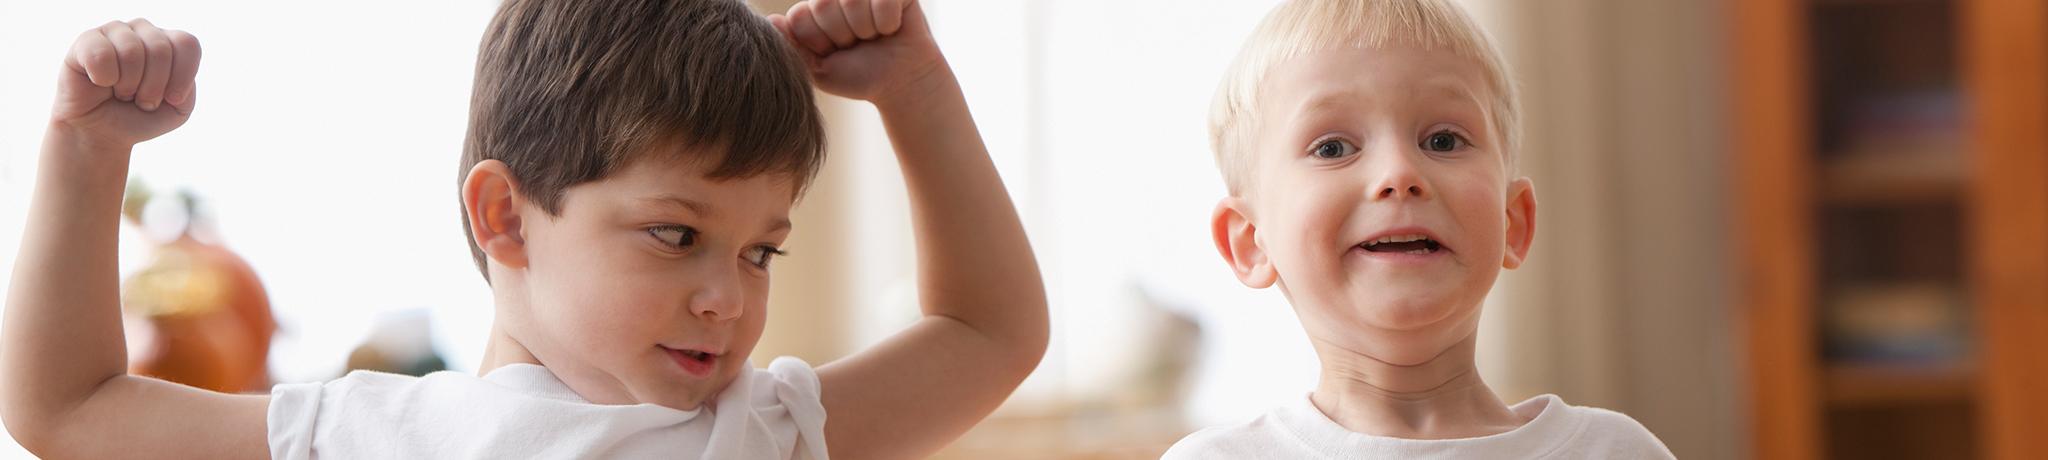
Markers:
<point>651,286</point>
<point>1379,199</point>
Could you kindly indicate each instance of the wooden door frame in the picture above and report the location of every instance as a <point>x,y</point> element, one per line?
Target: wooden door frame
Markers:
<point>2005,65</point>
<point>1772,191</point>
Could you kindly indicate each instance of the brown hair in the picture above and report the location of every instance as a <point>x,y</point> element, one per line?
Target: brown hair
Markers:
<point>568,92</point>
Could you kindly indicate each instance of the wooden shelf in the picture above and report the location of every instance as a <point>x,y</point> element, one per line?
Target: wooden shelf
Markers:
<point>1840,3</point>
<point>1878,384</point>
<point>1893,177</point>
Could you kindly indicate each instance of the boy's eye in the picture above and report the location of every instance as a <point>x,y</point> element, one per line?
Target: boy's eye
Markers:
<point>1443,141</point>
<point>760,256</point>
<point>677,236</point>
<point>1331,149</point>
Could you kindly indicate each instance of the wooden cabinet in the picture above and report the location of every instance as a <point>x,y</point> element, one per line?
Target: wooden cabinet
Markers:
<point>1890,200</point>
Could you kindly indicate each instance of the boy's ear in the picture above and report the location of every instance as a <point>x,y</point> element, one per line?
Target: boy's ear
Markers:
<point>1521,222</point>
<point>491,198</point>
<point>1237,240</point>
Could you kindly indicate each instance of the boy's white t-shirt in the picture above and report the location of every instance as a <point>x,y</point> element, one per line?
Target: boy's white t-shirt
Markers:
<point>524,411</point>
<point>1555,430</point>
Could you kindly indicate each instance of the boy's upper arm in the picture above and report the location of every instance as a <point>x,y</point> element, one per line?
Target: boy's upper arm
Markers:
<point>128,415</point>
<point>918,390</point>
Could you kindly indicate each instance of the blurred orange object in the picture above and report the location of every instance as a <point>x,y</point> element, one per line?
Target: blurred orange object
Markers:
<point>197,315</point>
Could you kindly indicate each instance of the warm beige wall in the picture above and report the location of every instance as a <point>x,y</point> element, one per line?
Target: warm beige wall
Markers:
<point>849,279</point>
<point>1671,142</point>
<point>771,6</point>
<point>808,314</point>
<point>1624,302</point>
<point>808,300</point>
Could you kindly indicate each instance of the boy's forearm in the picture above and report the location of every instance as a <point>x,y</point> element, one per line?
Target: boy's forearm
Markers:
<point>62,331</point>
<point>976,263</point>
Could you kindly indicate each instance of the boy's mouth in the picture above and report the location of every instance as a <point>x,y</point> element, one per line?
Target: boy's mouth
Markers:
<point>1411,243</point>
<point>696,362</point>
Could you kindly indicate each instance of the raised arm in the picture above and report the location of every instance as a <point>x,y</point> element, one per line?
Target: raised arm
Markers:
<point>984,325</point>
<point>64,387</point>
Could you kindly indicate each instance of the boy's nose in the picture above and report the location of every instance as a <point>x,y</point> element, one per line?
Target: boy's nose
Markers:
<point>719,298</point>
<point>1390,192</point>
<point>1398,179</point>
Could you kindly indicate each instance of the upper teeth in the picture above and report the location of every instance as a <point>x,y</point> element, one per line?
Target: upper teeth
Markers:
<point>1399,239</point>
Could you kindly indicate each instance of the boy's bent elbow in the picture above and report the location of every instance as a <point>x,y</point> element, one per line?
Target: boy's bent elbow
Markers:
<point>1030,352</point>
<point>1009,345</point>
<point>1035,339</point>
<point>40,421</point>
<point>26,416</point>
<point>1025,343</point>
<point>29,427</point>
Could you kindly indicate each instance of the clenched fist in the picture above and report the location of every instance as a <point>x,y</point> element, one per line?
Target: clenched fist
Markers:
<point>873,50</point>
<point>127,82</point>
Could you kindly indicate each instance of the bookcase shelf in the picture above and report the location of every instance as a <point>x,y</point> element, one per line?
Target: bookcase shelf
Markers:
<point>1890,189</point>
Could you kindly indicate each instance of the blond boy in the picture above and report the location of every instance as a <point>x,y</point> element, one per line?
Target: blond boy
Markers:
<point>627,179</point>
<point>1369,149</point>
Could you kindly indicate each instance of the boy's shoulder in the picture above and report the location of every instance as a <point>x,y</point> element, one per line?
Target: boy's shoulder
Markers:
<point>1259,438</point>
<point>1270,435</point>
<point>1555,430</point>
<point>769,413</point>
<point>1608,434</point>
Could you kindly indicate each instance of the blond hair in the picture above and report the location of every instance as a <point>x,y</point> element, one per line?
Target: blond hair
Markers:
<point>1301,27</point>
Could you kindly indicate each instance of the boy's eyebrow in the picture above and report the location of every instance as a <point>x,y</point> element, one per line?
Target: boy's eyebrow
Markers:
<point>672,201</point>
<point>1433,88</point>
<point>1324,101</point>
<point>1450,88</point>
<point>701,209</point>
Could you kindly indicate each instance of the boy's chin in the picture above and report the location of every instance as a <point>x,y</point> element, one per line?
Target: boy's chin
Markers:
<point>685,396</point>
<point>1400,336</point>
<point>683,401</point>
<point>1404,311</point>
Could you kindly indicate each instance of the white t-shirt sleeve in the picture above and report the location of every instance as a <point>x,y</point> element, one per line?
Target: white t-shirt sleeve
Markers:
<point>798,390</point>
<point>782,415</point>
<point>293,408</point>
<point>301,413</point>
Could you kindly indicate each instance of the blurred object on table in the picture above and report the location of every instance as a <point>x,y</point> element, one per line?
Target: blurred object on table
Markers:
<point>196,313</point>
<point>400,343</point>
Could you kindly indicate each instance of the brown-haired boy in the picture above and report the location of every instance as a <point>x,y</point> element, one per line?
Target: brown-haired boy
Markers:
<point>627,179</point>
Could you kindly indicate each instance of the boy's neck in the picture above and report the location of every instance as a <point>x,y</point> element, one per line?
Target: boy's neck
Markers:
<point>503,350</point>
<point>1442,398</point>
